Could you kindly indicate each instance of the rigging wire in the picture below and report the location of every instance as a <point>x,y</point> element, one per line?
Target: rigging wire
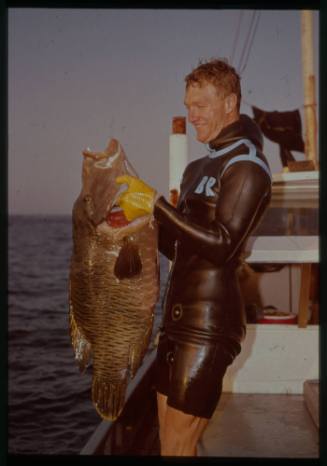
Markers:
<point>245,43</point>
<point>251,43</point>
<point>248,42</point>
<point>236,35</point>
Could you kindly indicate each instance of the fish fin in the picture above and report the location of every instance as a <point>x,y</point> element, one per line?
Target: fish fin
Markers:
<point>81,346</point>
<point>138,350</point>
<point>128,263</point>
<point>108,398</point>
<point>135,359</point>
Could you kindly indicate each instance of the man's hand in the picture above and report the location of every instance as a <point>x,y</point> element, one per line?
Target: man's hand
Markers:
<point>138,199</point>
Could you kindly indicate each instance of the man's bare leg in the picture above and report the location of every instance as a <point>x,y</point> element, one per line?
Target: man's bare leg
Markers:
<point>179,432</point>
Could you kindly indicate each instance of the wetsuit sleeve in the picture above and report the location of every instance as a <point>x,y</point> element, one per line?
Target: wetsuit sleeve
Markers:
<point>244,192</point>
<point>166,242</point>
<point>167,238</point>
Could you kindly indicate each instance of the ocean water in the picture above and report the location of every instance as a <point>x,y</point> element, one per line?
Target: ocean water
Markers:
<point>50,408</point>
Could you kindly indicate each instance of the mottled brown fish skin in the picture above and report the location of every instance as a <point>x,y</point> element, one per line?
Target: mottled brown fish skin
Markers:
<point>110,319</point>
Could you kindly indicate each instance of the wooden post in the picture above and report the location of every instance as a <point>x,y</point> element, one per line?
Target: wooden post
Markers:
<point>177,156</point>
<point>309,88</point>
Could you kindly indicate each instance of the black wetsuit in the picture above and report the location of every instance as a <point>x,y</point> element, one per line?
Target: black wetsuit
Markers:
<point>222,197</point>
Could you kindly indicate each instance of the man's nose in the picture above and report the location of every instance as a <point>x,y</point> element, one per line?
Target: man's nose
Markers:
<point>192,116</point>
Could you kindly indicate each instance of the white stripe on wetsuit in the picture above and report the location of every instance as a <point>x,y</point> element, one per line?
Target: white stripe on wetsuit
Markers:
<point>251,157</point>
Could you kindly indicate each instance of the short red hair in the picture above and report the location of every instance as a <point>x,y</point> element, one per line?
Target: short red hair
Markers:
<point>218,72</point>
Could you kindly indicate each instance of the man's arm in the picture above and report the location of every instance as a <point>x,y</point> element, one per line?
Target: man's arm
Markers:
<point>167,238</point>
<point>245,189</point>
<point>166,243</point>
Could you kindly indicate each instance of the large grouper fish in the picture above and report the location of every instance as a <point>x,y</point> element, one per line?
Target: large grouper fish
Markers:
<point>114,281</point>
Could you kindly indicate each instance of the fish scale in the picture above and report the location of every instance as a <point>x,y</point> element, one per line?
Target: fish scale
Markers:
<point>110,319</point>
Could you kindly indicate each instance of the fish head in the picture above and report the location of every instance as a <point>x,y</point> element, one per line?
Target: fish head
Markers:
<point>100,190</point>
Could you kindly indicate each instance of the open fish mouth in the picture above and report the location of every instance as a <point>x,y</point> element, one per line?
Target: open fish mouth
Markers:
<point>108,216</point>
<point>103,168</point>
<point>116,218</point>
<point>116,225</point>
<point>121,230</point>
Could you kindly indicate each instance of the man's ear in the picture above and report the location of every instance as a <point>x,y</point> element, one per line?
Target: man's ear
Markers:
<point>230,102</point>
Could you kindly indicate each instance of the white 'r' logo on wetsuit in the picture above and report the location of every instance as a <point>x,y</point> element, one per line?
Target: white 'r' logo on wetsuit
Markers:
<point>205,185</point>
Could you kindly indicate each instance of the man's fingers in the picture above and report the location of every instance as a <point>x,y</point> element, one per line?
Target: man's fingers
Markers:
<point>124,179</point>
<point>127,201</point>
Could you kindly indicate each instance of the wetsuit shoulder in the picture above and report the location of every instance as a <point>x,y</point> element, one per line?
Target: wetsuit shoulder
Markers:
<point>244,194</point>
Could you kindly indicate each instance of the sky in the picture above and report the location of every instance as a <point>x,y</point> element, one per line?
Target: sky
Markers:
<point>79,77</point>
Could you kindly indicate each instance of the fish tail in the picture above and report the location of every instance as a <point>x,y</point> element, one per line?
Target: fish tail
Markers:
<point>81,346</point>
<point>108,398</point>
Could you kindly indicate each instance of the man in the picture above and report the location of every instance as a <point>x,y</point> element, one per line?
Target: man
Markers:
<point>222,198</point>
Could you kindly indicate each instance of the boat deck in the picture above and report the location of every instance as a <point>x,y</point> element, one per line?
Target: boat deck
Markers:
<point>261,425</point>
<point>243,426</point>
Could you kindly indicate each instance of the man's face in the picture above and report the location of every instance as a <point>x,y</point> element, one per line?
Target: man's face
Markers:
<point>207,111</point>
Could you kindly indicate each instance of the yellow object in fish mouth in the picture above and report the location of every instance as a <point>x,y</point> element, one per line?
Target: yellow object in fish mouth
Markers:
<point>138,199</point>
